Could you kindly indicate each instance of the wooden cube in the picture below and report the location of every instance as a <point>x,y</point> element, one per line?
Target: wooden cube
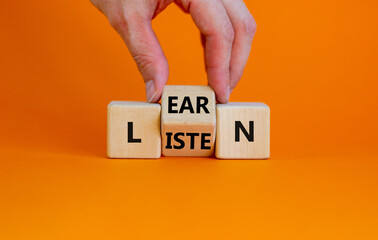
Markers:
<point>243,131</point>
<point>188,121</point>
<point>134,130</point>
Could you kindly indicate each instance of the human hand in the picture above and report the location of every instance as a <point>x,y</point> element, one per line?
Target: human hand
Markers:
<point>227,28</point>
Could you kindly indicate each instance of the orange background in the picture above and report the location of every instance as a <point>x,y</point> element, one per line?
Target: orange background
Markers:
<point>313,62</point>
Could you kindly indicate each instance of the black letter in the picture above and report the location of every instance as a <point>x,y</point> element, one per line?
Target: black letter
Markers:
<point>192,137</point>
<point>183,105</point>
<point>130,138</point>
<point>171,104</point>
<point>248,135</point>
<point>169,135</point>
<point>182,143</point>
<point>203,140</point>
<point>202,105</point>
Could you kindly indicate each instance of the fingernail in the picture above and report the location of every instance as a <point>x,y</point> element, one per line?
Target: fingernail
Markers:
<point>228,93</point>
<point>231,90</point>
<point>150,90</point>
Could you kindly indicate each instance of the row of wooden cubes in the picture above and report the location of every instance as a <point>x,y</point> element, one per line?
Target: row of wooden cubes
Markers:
<point>188,123</point>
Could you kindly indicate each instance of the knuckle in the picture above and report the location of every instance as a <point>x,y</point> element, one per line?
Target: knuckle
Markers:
<point>144,61</point>
<point>248,26</point>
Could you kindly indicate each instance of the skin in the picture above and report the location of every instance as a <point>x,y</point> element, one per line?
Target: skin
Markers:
<point>227,29</point>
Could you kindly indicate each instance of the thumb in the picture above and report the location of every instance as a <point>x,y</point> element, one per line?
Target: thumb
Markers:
<point>145,48</point>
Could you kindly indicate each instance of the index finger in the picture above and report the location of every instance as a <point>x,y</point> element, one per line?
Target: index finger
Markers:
<point>212,20</point>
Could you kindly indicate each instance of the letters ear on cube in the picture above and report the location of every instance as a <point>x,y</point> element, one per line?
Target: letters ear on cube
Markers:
<point>188,121</point>
<point>134,130</point>
<point>243,131</point>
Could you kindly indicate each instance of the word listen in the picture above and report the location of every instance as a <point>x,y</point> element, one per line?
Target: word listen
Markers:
<point>238,127</point>
<point>185,125</point>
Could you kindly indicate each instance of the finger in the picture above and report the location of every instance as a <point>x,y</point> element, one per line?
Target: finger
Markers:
<point>245,27</point>
<point>212,20</point>
<point>136,30</point>
<point>203,43</point>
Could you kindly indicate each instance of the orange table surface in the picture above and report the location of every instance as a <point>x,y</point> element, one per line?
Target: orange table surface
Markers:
<point>52,195</point>
<point>313,62</point>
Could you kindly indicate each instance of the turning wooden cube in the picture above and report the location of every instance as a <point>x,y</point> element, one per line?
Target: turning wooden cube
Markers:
<point>243,131</point>
<point>134,130</point>
<point>188,121</point>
